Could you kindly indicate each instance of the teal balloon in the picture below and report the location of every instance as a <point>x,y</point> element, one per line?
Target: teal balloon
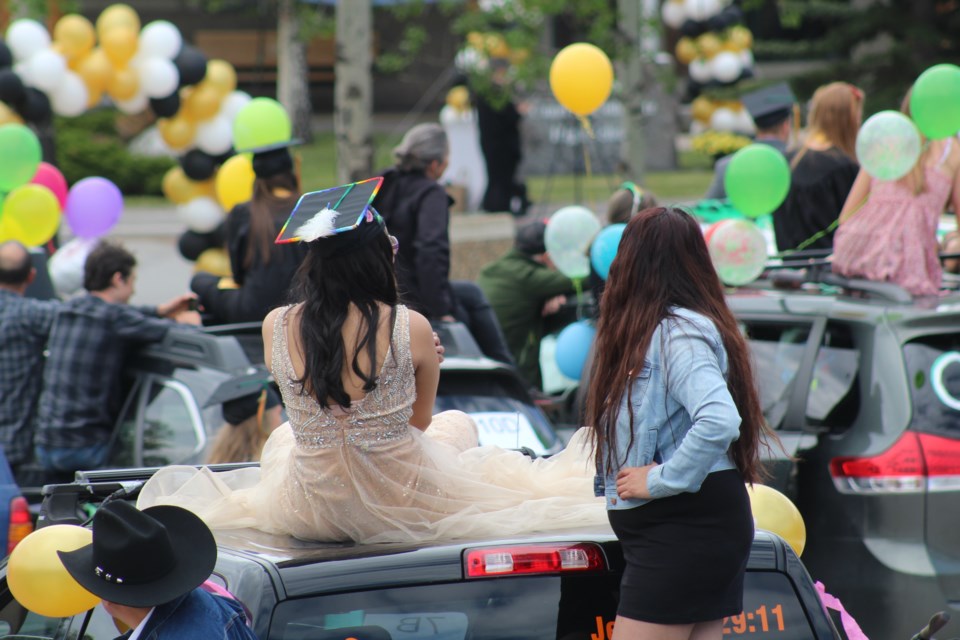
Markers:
<point>573,347</point>
<point>935,101</point>
<point>888,145</point>
<point>604,249</point>
<point>260,123</point>
<point>570,232</point>
<point>20,156</point>
<point>757,180</point>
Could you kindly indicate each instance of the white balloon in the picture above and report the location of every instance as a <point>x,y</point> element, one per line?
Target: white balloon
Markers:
<point>26,38</point>
<point>697,127</point>
<point>723,119</point>
<point>700,10</point>
<point>699,71</point>
<point>745,123</point>
<point>673,13</point>
<point>201,214</point>
<point>725,66</point>
<point>70,97</point>
<point>66,265</point>
<point>161,38</point>
<point>158,77</point>
<point>136,104</point>
<point>746,59</point>
<point>232,104</point>
<point>214,136</point>
<point>46,70</point>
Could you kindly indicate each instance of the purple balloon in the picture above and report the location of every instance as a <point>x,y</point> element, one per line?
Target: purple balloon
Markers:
<point>93,207</point>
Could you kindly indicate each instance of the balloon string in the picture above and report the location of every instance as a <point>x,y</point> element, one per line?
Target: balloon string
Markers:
<point>585,123</point>
<point>823,232</point>
<point>578,288</point>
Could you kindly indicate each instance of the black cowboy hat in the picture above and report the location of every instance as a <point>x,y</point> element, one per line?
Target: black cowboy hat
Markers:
<point>143,558</point>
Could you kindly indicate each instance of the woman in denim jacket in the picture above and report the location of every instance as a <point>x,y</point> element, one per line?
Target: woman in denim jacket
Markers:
<point>678,425</point>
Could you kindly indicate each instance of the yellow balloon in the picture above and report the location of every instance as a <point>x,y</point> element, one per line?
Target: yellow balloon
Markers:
<point>37,577</point>
<point>458,98</point>
<point>95,70</point>
<point>221,76</point>
<point>496,46</point>
<point>177,132</point>
<point>203,189</point>
<point>581,78</point>
<point>117,15</point>
<point>475,40</point>
<point>702,108</point>
<point>124,84</point>
<point>31,214</point>
<point>234,182</point>
<point>120,45</point>
<point>202,103</point>
<point>686,51</point>
<point>75,35</point>
<point>215,261</point>
<point>709,45</point>
<point>741,36</point>
<point>176,186</point>
<point>774,512</point>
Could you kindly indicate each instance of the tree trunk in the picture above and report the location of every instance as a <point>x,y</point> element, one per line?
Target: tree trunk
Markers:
<point>632,83</point>
<point>293,83</point>
<point>353,91</point>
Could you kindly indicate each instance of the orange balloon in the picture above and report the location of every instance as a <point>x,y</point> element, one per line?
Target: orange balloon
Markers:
<point>202,104</point>
<point>75,36</point>
<point>177,132</point>
<point>221,76</point>
<point>120,45</point>
<point>124,84</point>
<point>117,15</point>
<point>95,70</point>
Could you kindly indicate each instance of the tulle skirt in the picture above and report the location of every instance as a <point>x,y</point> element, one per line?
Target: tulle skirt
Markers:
<point>412,486</point>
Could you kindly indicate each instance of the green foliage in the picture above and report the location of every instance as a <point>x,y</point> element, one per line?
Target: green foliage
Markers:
<point>89,146</point>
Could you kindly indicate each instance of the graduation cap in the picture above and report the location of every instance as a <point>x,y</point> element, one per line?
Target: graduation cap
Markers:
<point>272,159</point>
<point>245,396</point>
<point>769,106</point>
<point>340,218</point>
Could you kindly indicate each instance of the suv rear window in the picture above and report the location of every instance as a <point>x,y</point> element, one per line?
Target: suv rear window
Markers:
<point>933,367</point>
<point>574,607</point>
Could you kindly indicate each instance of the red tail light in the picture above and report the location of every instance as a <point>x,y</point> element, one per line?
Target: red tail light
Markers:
<point>916,462</point>
<point>21,523</point>
<point>533,559</point>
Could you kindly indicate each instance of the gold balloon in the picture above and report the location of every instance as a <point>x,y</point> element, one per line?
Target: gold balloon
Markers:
<point>709,45</point>
<point>215,261</point>
<point>702,108</point>
<point>221,76</point>
<point>177,132</point>
<point>234,181</point>
<point>741,36</point>
<point>8,115</point>
<point>39,581</point>
<point>75,36</point>
<point>124,84</point>
<point>731,46</point>
<point>202,103</point>
<point>176,186</point>
<point>496,46</point>
<point>459,98</point>
<point>686,50</point>
<point>475,40</point>
<point>203,189</point>
<point>95,70</point>
<point>774,512</point>
<point>120,45</point>
<point>117,15</point>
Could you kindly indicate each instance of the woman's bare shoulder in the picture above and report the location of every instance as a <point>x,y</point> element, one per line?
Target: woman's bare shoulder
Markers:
<point>419,325</point>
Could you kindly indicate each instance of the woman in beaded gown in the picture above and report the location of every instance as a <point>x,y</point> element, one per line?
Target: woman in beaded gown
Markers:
<point>361,457</point>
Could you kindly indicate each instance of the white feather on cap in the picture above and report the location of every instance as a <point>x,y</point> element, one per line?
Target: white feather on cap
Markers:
<point>319,226</point>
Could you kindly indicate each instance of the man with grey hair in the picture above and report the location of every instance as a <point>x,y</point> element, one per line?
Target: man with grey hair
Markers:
<point>24,328</point>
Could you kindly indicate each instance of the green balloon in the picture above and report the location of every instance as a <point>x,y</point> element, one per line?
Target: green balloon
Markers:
<point>935,101</point>
<point>20,156</point>
<point>260,123</point>
<point>757,180</point>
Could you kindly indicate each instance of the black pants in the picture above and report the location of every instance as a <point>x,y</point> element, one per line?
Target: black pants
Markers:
<point>473,309</point>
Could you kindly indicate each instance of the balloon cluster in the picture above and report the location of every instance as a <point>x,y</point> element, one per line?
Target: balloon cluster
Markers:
<point>480,47</point>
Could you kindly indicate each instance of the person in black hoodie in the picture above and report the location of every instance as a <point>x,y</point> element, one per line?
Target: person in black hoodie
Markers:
<point>416,209</point>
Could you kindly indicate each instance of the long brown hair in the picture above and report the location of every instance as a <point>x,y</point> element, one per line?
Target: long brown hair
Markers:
<point>663,263</point>
<point>243,442</point>
<point>915,180</point>
<point>835,113</point>
<point>270,195</point>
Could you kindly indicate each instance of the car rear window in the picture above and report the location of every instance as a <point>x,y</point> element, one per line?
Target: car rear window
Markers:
<point>933,367</point>
<point>574,607</point>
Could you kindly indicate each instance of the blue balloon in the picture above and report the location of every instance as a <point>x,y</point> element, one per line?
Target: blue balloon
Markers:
<point>573,345</point>
<point>604,249</point>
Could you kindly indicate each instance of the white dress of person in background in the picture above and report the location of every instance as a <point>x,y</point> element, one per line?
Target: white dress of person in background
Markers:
<point>466,168</point>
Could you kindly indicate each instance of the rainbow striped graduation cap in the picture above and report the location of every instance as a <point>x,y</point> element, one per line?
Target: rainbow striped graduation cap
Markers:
<point>323,214</point>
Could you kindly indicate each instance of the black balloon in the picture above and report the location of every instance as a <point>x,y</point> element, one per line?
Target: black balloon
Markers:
<point>191,244</point>
<point>198,165</point>
<point>36,107</point>
<point>12,90</point>
<point>6,58</point>
<point>192,65</point>
<point>692,28</point>
<point>732,15</point>
<point>166,107</point>
<point>716,23</point>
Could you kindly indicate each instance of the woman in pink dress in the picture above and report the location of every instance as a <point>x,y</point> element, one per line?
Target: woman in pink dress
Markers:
<point>888,229</point>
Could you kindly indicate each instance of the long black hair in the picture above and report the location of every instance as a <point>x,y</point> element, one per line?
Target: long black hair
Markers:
<point>327,286</point>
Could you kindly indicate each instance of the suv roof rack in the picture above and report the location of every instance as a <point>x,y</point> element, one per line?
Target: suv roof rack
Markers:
<point>818,271</point>
<point>199,348</point>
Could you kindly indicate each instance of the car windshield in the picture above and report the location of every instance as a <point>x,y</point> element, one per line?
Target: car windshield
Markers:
<point>574,607</point>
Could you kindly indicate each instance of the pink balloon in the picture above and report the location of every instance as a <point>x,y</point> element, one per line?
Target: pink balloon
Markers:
<point>51,178</point>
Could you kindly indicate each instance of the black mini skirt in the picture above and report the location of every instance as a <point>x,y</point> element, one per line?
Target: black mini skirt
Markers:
<point>686,555</point>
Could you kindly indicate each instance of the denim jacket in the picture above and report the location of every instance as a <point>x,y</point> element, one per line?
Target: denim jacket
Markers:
<point>684,417</point>
<point>197,615</point>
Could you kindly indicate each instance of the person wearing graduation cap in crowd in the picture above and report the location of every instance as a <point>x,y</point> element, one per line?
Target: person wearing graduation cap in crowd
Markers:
<point>148,567</point>
<point>362,456</point>
<point>250,417</point>
<point>772,111</point>
<point>262,271</point>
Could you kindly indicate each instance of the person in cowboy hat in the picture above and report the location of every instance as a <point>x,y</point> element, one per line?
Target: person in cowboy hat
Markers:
<point>147,566</point>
